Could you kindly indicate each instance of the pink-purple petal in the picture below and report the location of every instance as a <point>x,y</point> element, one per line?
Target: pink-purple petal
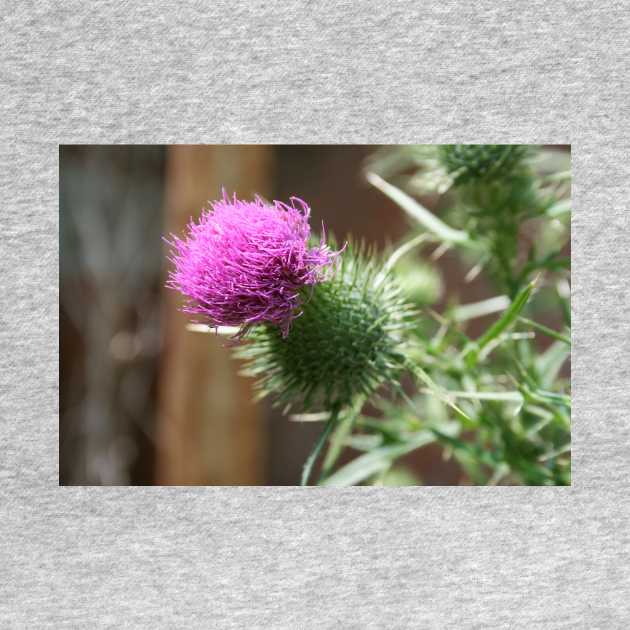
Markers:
<point>244,262</point>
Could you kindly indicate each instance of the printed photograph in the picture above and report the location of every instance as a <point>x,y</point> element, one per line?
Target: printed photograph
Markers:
<point>315,315</point>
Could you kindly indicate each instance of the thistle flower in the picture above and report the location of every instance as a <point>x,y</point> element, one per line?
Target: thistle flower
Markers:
<point>348,341</point>
<point>245,262</point>
<point>471,162</point>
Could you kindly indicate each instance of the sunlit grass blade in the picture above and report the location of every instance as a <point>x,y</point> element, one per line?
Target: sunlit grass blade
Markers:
<point>365,466</point>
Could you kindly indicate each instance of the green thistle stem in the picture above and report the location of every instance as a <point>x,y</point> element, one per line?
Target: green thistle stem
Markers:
<point>339,436</point>
<point>312,458</point>
<point>505,251</point>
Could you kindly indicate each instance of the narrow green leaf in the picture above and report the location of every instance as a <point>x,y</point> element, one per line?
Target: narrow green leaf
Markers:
<point>364,442</point>
<point>549,364</point>
<point>470,457</point>
<point>559,451</point>
<point>312,458</point>
<point>341,433</point>
<point>511,397</point>
<point>471,354</point>
<point>544,329</point>
<point>399,253</point>
<point>376,461</point>
<point>559,208</point>
<point>561,399</point>
<point>441,393</point>
<point>480,309</point>
<point>419,213</point>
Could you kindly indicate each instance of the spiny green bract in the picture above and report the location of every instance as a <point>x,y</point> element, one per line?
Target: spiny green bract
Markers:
<point>470,162</point>
<point>348,340</point>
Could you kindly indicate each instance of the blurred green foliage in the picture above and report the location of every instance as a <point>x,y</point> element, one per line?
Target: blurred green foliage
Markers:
<point>497,402</point>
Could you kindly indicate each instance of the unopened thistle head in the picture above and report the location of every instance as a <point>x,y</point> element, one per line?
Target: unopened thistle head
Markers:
<point>349,340</point>
<point>473,162</point>
<point>245,262</point>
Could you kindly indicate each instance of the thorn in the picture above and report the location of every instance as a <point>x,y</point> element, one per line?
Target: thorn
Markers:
<point>440,251</point>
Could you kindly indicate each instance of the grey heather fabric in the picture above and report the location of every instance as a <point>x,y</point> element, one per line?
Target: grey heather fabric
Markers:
<point>112,72</point>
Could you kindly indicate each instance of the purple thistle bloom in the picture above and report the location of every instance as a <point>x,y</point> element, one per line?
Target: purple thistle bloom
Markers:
<point>244,262</point>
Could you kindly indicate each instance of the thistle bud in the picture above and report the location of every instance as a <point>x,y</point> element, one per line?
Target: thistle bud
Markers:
<point>473,162</point>
<point>348,340</point>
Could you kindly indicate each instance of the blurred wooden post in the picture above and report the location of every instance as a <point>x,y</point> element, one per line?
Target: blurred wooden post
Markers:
<point>209,432</point>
